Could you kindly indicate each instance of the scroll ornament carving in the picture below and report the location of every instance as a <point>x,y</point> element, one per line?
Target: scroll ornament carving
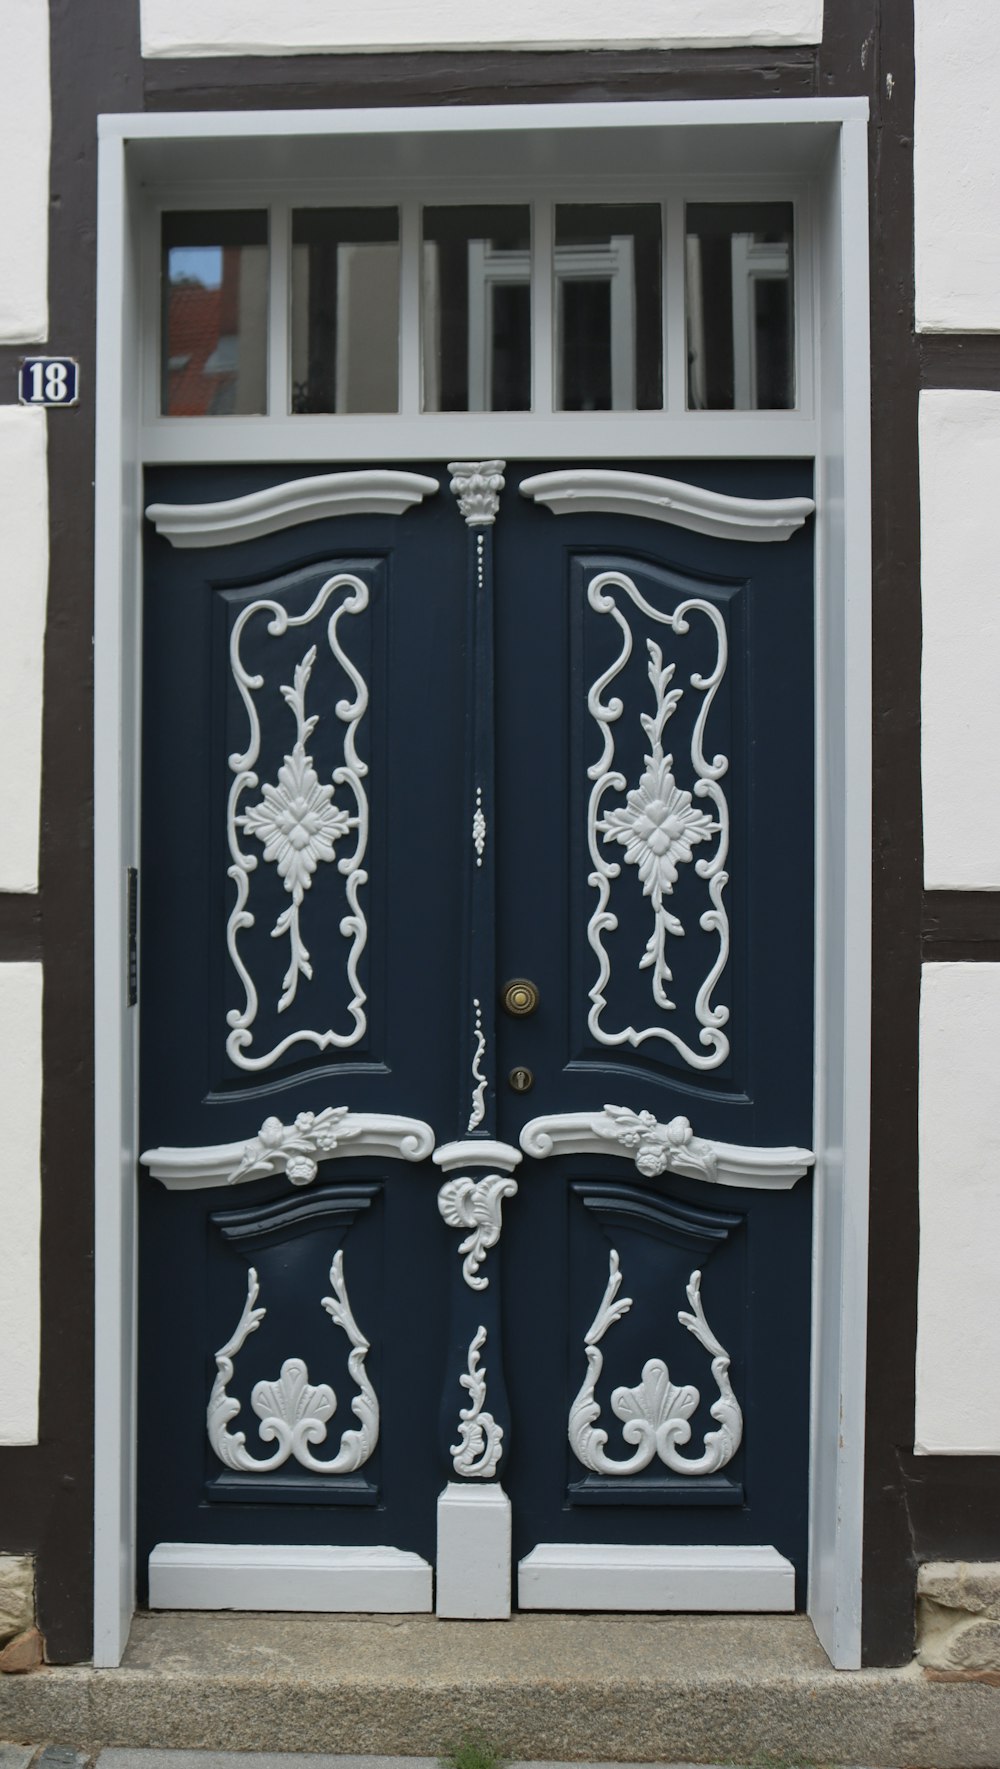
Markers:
<point>477,486</point>
<point>298,823</point>
<point>476,1204</point>
<point>659,826</point>
<point>658,1148</point>
<point>655,1414</point>
<point>480,1438</point>
<point>299,826</point>
<point>479,1079</point>
<point>293,1412</point>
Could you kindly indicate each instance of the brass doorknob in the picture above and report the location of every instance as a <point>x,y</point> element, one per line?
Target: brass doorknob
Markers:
<point>520,997</point>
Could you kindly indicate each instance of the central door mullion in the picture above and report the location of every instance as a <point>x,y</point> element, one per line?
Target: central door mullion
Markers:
<point>477,485</point>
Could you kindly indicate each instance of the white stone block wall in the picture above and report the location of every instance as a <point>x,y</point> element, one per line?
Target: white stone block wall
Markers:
<point>957,273</point>
<point>958,1298</point>
<point>24,557</point>
<point>960,584</point>
<point>24,218</point>
<point>956,165</point>
<point>24,170</point>
<point>20,1199</point>
<point>258,27</point>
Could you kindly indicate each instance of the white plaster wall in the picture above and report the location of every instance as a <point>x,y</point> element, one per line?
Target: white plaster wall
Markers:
<point>958,1319</point>
<point>20,1199</point>
<point>259,27</point>
<point>24,170</point>
<point>957,165</point>
<point>24,568</point>
<point>960,588</point>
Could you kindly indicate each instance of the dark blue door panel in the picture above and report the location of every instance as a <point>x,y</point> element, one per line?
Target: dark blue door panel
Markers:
<point>309,729</point>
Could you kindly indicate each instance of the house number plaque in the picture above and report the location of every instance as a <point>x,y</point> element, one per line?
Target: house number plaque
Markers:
<point>48,380</point>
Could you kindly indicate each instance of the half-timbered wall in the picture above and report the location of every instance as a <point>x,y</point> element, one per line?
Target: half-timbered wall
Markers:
<point>933,1411</point>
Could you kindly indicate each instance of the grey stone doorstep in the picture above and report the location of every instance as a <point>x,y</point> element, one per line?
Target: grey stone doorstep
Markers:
<point>750,1690</point>
<point>20,1756</point>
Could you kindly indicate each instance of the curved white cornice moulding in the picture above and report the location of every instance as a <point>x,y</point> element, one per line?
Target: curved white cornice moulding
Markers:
<point>377,491</point>
<point>293,1149</point>
<point>477,1152</point>
<point>667,500</point>
<point>664,1148</point>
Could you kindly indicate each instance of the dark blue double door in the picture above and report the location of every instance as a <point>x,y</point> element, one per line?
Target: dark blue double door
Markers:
<point>393,761</point>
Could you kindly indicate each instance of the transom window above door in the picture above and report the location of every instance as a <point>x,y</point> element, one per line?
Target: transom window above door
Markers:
<point>688,305</point>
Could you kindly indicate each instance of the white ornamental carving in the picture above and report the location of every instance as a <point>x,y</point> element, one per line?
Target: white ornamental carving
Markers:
<point>298,824</point>
<point>371,491</point>
<point>659,825</point>
<point>570,489</point>
<point>477,486</point>
<point>293,1149</point>
<point>476,1204</point>
<point>655,1414</point>
<point>659,1148</point>
<point>479,827</point>
<point>480,1438</point>
<point>479,1080</point>
<point>293,1412</point>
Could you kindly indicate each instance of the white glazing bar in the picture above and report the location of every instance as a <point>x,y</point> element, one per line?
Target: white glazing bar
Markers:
<point>279,304</point>
<point>410,300</point>
<point>542,307</point>
<point>674,306</point>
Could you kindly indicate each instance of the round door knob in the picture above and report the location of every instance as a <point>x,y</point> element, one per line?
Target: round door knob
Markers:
<point>520,997</point>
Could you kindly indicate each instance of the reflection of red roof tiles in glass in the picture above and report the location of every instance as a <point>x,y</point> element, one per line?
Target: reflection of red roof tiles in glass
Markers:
<point>194,329</point>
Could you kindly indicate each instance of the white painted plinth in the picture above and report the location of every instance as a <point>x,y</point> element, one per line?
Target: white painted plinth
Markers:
<point>219,1575</point>
<point>558,1575</point>
<point>473,1559</point>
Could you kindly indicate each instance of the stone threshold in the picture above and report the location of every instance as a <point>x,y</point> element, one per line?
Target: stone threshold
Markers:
<point>550,1688</point>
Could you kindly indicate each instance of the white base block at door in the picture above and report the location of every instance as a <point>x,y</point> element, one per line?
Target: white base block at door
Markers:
<point>473,1557</point>
<point>218,1575</point>
<point>558,1575</point>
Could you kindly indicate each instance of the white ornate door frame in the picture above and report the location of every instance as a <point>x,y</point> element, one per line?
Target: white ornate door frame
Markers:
<point>827,139</point>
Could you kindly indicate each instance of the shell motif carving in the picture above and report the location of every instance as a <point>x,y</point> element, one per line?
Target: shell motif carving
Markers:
<point>293,1412</point>
<point>476,1204</point>
<point>656,1413</point>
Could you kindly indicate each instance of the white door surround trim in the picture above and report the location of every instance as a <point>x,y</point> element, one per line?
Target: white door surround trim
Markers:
<point>826,140</point>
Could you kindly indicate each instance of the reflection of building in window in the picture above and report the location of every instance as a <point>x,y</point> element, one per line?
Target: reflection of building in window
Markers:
<point>214,314</point>
<point>203,363</point>
<point>740,342</point>
<point>476,308</point>
<point>345,310</point>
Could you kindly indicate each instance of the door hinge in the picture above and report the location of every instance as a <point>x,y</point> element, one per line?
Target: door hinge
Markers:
<point>132,915</point>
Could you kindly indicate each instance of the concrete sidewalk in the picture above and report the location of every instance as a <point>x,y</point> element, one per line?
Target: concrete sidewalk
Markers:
<point>745,1690</point>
